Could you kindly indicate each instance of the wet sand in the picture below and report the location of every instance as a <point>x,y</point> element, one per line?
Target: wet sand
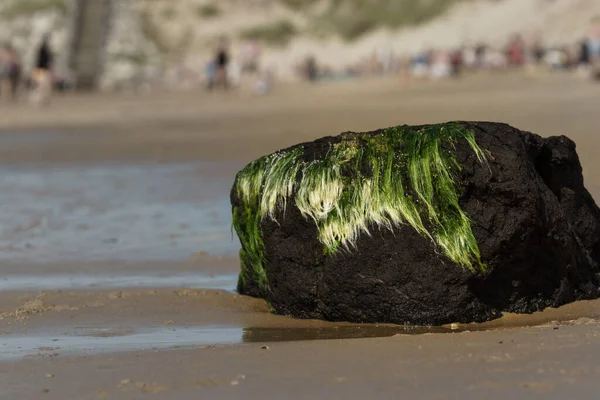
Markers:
<point>100,300</point>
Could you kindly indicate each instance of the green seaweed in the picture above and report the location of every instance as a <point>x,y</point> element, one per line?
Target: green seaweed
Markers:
<point>401,176</point>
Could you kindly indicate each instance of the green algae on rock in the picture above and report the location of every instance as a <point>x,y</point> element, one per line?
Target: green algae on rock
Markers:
<point>394,226</point>
<point>398,176</point>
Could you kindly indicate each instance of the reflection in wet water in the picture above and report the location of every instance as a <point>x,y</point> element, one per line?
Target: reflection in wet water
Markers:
<point>98,340</point>
<point>337,332</point>
<point>93,342</point>
<point>53,213</point>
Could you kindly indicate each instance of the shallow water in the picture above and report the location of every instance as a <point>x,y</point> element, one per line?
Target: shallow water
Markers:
<point>94,340</point>
<point>97,341</point>
<point>12,283</point>
<point>55,213</point>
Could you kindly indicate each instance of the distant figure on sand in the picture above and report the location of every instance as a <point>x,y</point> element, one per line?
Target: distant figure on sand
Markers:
<point>221,63</point>
<point>10,73</point>
<point>515,51</point>
<point>250,57</point>
<point>210,70</point>
<point>43,73</point>
<point>456,62</point>
<point>593,48</point>
<point>311,69</point>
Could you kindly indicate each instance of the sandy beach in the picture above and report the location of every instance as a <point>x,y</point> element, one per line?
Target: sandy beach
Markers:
<point>118,266</point>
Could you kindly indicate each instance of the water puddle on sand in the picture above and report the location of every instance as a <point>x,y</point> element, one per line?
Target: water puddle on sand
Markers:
<point>86,340</point>
<point>98,339</point>
<point>86,282</point>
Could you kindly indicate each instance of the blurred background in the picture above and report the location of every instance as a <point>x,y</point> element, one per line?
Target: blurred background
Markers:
<point>144,44</point>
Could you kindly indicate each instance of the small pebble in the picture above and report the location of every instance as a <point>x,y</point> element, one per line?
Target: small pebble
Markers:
<point>265,348</point>
<point>49,375</point>
<point>235,383</point>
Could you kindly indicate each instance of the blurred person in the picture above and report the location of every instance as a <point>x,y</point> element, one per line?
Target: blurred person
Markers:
<point>456,62</point>
<point>10,73</point>
<point>441,67</point>
<point>572,56</point>
<point>556,58</point>
<point>250,56</point>
<point>515,51</point>
<point>210,71</point>
<point>4,73</point>
<point>222,61</point>
<point>420,65</point>
<point>496,59</point>
<point>15,72</point>
<point>534,55</point>
<point>234,74</point>
<point>67,81</point>
<point>589,50</point>
<point>311,70</point>
<point>373,64</point>
<point>537,51</point>
<point>42,75</point>
<point>469,57</point>
<point>404,70</point>
<point>395,64</point>
<point>593,44</point>
<point>481,50</point>
<point>384,57</point>
<point>584,53</point>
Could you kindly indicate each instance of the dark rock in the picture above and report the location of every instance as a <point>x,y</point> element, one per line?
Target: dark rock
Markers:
<point>536,226</point>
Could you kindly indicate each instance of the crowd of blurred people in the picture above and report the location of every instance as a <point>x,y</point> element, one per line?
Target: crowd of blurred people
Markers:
<point>518,53</point>
<point>39,83</point>
<point>10,73</point>
<point>225,71</point>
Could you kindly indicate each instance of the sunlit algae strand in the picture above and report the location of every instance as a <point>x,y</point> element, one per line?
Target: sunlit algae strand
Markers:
<point>409,178</point>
